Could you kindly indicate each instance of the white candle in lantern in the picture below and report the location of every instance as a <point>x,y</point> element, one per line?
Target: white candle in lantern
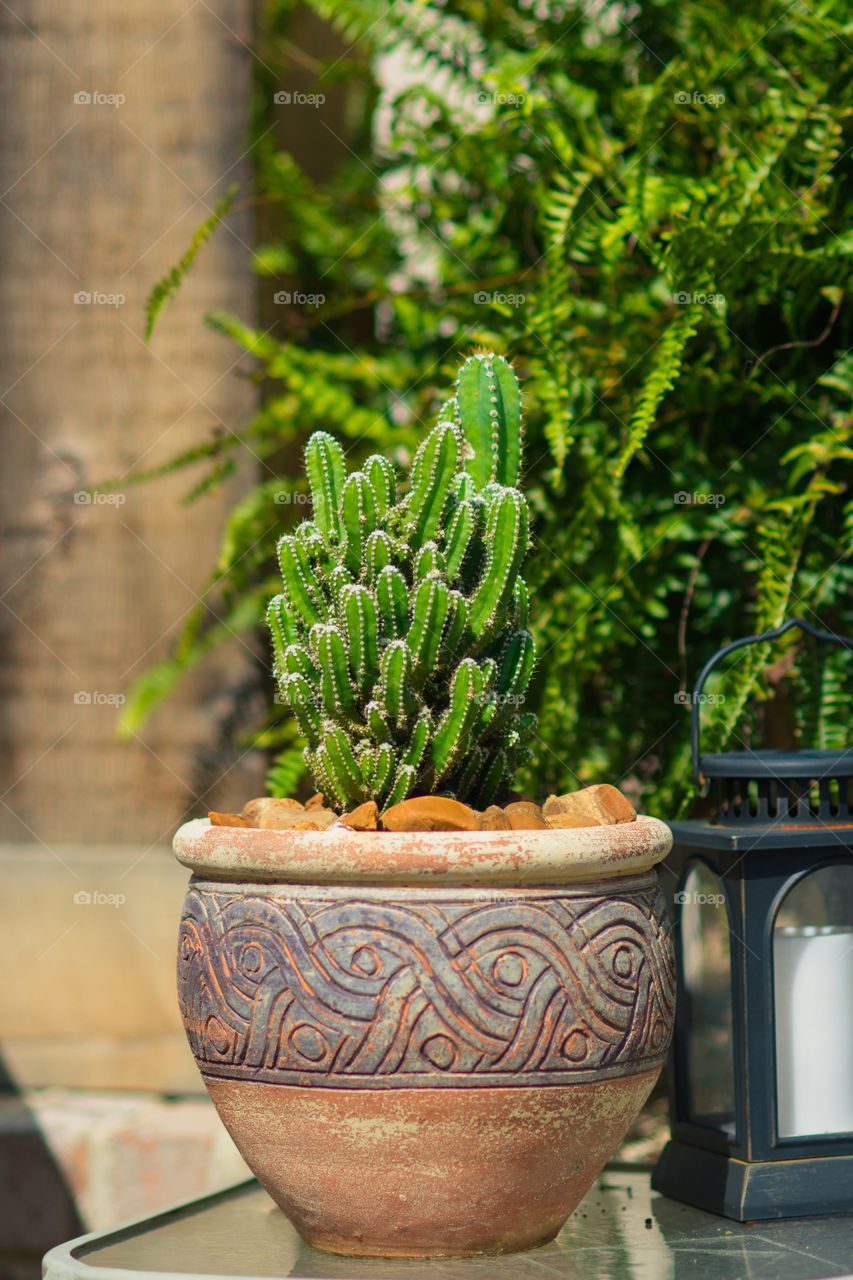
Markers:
<point>813,987</point>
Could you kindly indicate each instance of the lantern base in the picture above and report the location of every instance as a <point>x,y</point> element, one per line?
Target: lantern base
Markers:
<point>748,1191</point>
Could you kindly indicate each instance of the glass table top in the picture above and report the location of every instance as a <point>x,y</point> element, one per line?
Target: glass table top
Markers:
<point>621,1231</point>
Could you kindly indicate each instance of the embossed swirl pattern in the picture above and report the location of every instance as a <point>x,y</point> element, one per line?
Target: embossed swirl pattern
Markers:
<point>348,992</point>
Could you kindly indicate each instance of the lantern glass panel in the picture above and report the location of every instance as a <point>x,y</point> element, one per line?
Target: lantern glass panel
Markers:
<point>707,987</point>
<point>813,998</point>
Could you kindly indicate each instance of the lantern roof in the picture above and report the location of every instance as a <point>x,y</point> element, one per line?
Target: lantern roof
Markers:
<point>816,765</point>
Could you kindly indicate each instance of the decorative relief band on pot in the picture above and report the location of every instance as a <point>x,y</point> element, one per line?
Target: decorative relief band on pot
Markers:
<point>412,988</point>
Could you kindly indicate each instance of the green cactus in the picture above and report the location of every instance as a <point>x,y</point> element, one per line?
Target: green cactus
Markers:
<point>488,409</point>
<point>400,640</point>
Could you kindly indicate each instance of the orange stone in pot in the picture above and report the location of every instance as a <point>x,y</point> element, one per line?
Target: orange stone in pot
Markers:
<point>494,819</point>
<point>253,809</point>
<point>363,818</point>
<point>566,821</point>
<point>524,815</point>
<point>226,820</point>
<point>430,813</point>
<point>602,804</point>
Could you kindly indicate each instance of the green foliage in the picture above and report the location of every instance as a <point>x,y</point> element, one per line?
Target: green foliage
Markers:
<point>395,676</point>
<point>655,223</point>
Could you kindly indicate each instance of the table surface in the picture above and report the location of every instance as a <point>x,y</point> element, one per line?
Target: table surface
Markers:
<point>621,1231</point>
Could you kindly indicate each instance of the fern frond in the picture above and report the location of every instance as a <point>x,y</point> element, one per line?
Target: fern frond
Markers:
<point>552,306</point>
<point>199,638</point>
<point>439,39</point>
<point>666,366</point>
<point>168,285</point>
<point>780,546</point>
<point>288,766</point>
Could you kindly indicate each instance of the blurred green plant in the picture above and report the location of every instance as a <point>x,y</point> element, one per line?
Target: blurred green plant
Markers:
<point>655,224</point>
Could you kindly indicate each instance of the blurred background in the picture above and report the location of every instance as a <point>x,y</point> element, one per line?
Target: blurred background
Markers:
<point>225,224</point>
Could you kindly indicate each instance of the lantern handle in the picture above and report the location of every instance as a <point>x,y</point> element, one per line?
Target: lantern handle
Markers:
<point>843,641</point>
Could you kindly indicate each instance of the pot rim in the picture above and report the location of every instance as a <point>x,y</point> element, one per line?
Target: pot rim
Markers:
<point>339,855</point>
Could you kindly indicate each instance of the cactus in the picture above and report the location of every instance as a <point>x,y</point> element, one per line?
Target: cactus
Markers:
<point>400,638</point>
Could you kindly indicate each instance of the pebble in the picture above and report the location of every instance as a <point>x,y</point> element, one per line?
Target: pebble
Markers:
<point>602,804</point>
<point>494,819</point>
<point>323,818</point>
<point>282,815</point>
<point>563,821</point>
<point>524,815</point>
<point>363,818</point>
<point>430,813</point>
<point>529,806</point>
<point>253,809</point>
<point>598,805</point>
<point>226,820</point>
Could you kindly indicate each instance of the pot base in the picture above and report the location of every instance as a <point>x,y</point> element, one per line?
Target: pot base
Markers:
<point>428,1172</point>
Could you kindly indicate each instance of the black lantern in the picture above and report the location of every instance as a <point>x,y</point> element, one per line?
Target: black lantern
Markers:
<point>761,1077</point>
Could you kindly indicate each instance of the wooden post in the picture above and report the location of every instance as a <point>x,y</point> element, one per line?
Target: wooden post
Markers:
<point>123,125</point>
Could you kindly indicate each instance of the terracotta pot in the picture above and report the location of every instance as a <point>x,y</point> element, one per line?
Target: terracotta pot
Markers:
<point>426,1044</point>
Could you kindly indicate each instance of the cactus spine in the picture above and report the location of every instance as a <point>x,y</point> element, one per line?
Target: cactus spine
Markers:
<point>400,638</point>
